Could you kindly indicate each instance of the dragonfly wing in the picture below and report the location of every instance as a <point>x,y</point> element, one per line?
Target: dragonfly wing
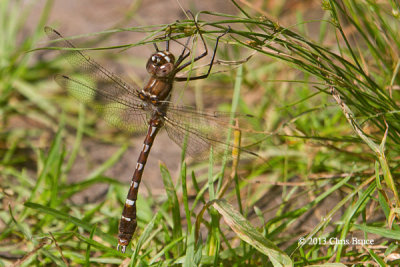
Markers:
<point>100,88</point>
<point>122,111</point>
<point>200,130</point>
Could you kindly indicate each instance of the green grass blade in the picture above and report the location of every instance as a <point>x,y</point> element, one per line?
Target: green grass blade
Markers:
<point>143,238</point>
<point>66,217</point>
<point>87,255</point>
<point>387,233</point>
<point>173,204</point>
<point>49,161</point>
<point>251,235</point>
<point>185,197</point>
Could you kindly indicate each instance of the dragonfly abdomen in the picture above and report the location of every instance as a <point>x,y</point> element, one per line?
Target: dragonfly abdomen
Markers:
<point>128,222</point>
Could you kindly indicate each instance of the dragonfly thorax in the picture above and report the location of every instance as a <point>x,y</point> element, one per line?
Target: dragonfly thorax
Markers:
<point>161,64</point>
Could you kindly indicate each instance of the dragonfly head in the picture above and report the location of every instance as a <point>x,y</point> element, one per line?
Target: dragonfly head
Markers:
<point>161,64</point>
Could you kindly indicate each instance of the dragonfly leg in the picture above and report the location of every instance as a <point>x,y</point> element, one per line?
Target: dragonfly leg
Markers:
<point>183,56</point>
<point>169,30</point>
<point>191,78</point>
<point>169,38</point>
<point>179,68</point>
<point>205,53</point>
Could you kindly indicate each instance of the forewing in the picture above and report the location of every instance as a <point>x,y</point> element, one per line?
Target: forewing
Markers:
<point>101,89</point>
<point>121,112</point>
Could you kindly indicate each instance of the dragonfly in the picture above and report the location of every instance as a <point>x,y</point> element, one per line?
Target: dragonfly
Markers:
<point>148,109</point>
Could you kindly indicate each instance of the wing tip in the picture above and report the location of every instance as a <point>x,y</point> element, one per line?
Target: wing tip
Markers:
<point>51,33</point>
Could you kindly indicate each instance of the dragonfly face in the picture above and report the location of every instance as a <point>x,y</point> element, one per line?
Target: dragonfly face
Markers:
<point>161,65</point>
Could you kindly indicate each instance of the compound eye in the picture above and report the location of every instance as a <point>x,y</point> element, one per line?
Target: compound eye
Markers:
<point>155,59</point>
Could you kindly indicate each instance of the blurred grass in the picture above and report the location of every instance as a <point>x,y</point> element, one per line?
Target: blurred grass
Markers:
<point>330,108</point>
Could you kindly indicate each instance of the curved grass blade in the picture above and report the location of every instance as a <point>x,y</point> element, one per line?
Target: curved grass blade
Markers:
<point>251,235</point>
<point>143,238</point>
